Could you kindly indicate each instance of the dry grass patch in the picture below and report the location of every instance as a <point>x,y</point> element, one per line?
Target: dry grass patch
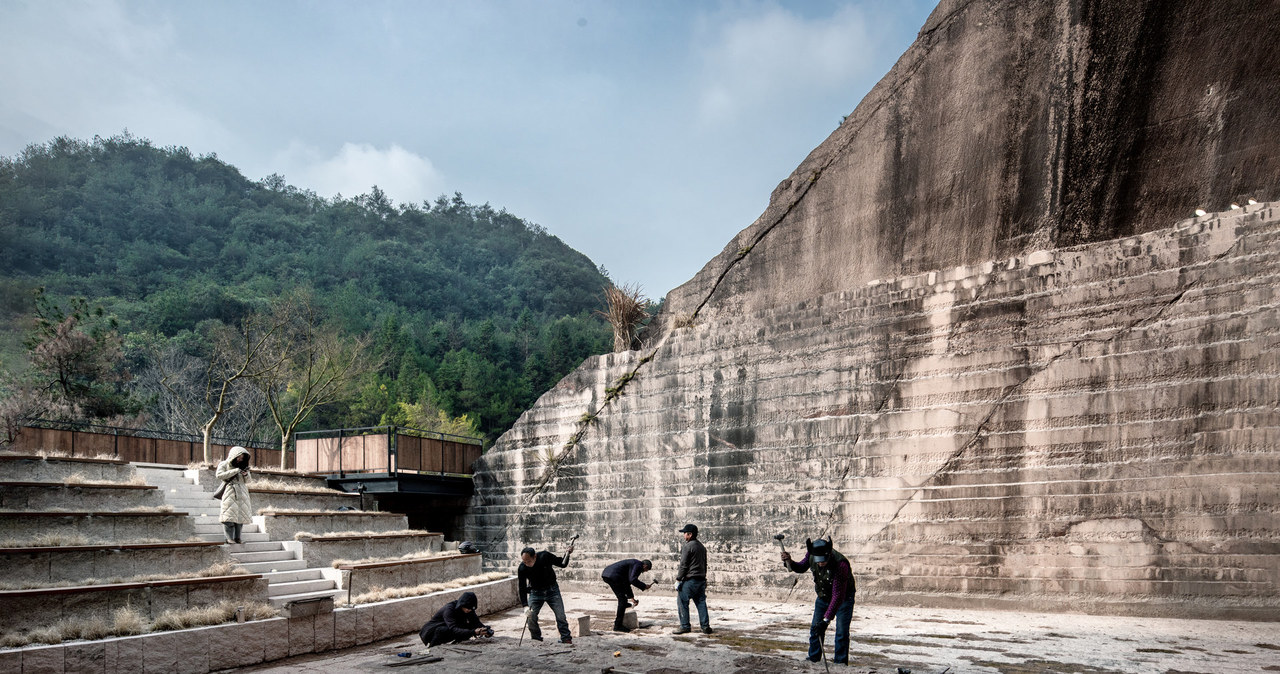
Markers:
<point>281,485</point>
<point>74,539</point>
<point>384,593</point>
<point>216,614</point>
<point>80,479</point>
<point>59,454</point>
<point>219,569</point>
<point>160,509</point>
<point>402,558</point>
<point>128,621</point>
<point>307,535</point>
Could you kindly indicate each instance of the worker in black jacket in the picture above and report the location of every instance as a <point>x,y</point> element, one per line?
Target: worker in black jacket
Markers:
<point>454,622</point>
<point>536,581</point>
<point>620,576</point>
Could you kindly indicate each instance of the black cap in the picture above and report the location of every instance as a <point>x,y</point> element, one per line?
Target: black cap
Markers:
<point>468,600</point>
<point>689,529</point>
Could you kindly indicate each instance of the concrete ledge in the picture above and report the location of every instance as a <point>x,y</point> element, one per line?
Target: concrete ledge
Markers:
<point>358,578</point>
<point>34,467</point>
<point>53,564</point>
<point>230,645</point>
<point>42,495</point>
<point>120,526</point>
<point>282,526</point>
<point>45,606</point>
<point>323,550</point>
<point>279,499</point>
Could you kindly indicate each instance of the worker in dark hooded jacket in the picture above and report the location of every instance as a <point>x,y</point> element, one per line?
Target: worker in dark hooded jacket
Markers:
<point>620,576</point>
<point>454,622</point>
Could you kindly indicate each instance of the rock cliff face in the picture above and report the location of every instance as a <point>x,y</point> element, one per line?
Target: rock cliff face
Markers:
<point>1058,394</point>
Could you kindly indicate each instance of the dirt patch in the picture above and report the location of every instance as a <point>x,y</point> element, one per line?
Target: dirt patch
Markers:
<point>1034,666</point>
<point>762,664</point>
<point>1270,647</point>
<point>647,649</point>
<point>1159,650</point>
<point>948,622</point>
<point>752,643</point>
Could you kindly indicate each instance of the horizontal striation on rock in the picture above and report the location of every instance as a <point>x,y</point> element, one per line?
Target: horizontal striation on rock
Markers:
<point>1100,421</point>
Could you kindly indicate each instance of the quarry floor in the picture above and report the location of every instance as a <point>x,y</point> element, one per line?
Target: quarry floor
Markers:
<point>769,636</point>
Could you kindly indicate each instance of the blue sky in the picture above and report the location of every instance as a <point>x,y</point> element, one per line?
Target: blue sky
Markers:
<point>642,133</point>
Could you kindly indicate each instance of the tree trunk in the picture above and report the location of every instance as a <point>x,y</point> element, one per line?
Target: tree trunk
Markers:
<point>284,450</point>
<point>207,432</point>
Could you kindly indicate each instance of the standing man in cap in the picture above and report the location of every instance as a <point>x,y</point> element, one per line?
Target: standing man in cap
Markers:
<point>620,576</point>
<point>833,581</point>
<point>691,581</point>
<point>536,580</point>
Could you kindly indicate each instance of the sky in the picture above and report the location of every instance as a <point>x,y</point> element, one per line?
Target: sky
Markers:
<point>643,133</point>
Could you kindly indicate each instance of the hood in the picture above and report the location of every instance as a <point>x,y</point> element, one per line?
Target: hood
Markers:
<point>468,600</point>
<point>236,451</point>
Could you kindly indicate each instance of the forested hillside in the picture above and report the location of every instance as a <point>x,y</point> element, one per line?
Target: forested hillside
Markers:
<point>463,309</point>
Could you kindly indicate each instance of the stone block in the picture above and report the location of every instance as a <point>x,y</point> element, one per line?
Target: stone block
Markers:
<point>324,632</point>
<point>128,655</point>
<point>11,661</point>
<point>275,638</point>
<point>582,625</point>
<point>630,620</point>
<point>166,652</point>
<point>235,645</point>
<point>44,660</point>
<point>344,627</point>
<point>302,635</point>
<point>86,657</point>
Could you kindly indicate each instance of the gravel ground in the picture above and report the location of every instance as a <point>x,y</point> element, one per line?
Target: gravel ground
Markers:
<point>764,636</point>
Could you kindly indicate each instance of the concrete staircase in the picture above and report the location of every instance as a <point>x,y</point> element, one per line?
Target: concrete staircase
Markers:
<point>278,561</point>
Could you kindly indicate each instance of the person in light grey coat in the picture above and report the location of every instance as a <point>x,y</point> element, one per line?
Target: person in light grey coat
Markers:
<point>236,508</point>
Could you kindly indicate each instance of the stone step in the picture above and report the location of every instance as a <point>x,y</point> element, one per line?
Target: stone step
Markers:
<point>269,556</point>
<point>281,600</point>
<point>215,527</point>
<point>272,567</point>
<point>305,573</point>
<point>255,537</point>
<point>300,587</point>
<point>257,546</point>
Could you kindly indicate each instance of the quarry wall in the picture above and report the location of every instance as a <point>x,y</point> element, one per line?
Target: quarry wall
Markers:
<point>973,337</point>
<point>1092,428</point>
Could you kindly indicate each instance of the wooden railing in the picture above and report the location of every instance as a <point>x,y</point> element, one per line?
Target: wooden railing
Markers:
<point>131,444</point>
<point>385,449</point>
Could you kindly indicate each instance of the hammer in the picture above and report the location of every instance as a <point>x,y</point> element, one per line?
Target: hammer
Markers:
<point>779,538</point>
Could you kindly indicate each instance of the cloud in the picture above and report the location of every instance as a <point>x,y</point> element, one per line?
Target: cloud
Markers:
<point>91,68</point>
<point>405,176</point>
<point>777,56</point>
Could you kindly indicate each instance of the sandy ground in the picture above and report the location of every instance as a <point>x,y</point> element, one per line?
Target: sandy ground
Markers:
<point>768,637</point>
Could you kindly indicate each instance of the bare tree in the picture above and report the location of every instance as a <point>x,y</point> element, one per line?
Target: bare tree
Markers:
<point>239,355</point>
<point>317,366</point>
<point>174,384</point>
<point>625,311</point>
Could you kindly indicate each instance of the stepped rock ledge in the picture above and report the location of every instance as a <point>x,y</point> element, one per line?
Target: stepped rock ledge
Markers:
<point>977,337</point>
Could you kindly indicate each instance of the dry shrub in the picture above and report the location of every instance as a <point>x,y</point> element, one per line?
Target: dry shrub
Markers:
<point>48,540</point>
<point>625,311</point>
<point>307,535</point>
<point>215,614</point>
<point>412,555</point>
<point>127,621</point>
<point>384,593</point>
<point>80,479</point>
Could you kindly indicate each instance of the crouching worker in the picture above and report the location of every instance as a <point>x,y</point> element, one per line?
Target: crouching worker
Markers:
<point>620,576</point>
<point>538,586</point>
<point>455,622</point>
<point>833,581</point>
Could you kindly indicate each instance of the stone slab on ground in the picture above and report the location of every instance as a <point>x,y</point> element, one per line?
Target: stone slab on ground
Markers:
<point>770,636</point>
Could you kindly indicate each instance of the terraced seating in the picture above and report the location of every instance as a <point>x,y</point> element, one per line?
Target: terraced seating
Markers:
<point>42,606</point>
<point>50,495</point>
<point>98,525</point>
<point>322,551</point>
<point>283,525</point>
<point>32,467</point>
<point>359,577</point>
<point>48,565</point>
